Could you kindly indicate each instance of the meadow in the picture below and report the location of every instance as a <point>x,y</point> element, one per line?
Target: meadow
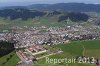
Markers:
<point>73,49</point>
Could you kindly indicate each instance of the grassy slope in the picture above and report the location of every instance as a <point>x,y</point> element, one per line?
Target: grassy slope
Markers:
<point>13,60</point>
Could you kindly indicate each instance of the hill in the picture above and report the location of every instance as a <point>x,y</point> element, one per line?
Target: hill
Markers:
<point>25,14</point>
<point>72,7</point>
<point>19,13</point>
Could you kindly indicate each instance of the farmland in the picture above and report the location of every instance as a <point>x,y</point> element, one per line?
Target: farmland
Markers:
<point>73,49</point>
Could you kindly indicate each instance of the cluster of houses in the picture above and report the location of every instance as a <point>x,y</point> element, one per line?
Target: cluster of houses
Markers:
<point>30,55</point>
<point>27,55</point>
<point>26,59</point>
<point>48,36</point>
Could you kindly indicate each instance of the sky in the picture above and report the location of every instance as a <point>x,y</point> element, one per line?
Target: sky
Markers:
<point>28,2</point>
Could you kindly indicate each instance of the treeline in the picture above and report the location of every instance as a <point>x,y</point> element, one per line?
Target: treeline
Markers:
<point>6,48</point>
<point>24,14</point>
<point>52,13</point>
<point>75,17</point>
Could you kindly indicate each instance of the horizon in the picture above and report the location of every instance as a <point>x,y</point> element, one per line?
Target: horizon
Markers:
<point>25,4</point>
<point>4,3</point>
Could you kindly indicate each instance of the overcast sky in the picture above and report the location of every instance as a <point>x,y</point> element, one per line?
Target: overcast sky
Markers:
<point>28,2</point>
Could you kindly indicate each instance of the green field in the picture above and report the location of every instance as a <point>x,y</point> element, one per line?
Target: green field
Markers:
<point>73,49</point>
<point>36,22</point>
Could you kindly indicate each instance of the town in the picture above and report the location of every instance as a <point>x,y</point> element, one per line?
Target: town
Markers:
<point>25,36</point>
<point>31,42</point>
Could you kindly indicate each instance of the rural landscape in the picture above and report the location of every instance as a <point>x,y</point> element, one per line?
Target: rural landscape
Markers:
<point>59,34</point>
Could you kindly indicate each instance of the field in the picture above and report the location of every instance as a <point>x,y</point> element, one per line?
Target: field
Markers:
<point>6,24</point>
<point>77,48</point>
